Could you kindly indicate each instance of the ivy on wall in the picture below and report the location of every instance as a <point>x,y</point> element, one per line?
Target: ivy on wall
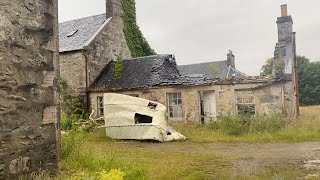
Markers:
<point>138,45</point>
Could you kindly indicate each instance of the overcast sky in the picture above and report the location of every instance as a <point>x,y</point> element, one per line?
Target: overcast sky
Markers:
<point>204,30</point>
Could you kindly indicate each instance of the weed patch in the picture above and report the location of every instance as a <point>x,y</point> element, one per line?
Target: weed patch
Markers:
<point>273,128</point>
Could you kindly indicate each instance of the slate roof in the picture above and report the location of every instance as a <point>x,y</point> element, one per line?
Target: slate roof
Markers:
<point>87,28</point>
<point>223,70</point>
<point>139,73</point>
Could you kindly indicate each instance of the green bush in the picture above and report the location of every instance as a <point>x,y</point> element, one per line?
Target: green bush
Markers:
<point>69,122</point>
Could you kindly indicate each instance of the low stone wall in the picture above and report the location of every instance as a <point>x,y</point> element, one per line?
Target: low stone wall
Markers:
<point>29,73</point>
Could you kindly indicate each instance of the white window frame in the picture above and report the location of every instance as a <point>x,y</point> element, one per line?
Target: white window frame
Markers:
<point>246,101</point>
<point>100,108</point>
<point>175,105</point>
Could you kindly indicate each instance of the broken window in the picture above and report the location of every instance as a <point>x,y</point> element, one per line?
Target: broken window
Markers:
<point>100,105</point>
<point>175,105</point>
<point>142,119</point>
<point>246,105</point>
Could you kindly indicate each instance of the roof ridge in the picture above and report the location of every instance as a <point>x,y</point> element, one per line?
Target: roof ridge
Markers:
<point>146,57</point>
<point>202,63</point>
<point>82,18</point>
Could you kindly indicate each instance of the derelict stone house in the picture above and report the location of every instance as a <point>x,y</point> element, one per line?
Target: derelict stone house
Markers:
<point>201,92</point>
<point>87,45</point>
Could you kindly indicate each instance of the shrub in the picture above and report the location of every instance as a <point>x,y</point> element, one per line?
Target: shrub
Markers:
<point>69,122</point>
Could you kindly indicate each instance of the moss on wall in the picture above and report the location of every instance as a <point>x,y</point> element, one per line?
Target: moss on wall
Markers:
<point>138,45</point>
<point>118,68</point>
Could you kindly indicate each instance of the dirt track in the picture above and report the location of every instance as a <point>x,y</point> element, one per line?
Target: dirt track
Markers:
<point>248,157</point>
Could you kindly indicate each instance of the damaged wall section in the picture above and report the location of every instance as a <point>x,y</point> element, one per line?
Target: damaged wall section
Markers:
<point>29,94</point>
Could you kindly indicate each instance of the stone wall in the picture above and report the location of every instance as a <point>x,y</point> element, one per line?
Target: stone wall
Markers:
<point>271,99</point>
<point>73,71</point>
<point>109,44</point>
<point>226,99</point>
<point>29,73</point>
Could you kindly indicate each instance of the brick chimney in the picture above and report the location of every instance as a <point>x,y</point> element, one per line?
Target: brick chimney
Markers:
<point>284,10</point>
<point>231,59</point>
<point>285,24</point>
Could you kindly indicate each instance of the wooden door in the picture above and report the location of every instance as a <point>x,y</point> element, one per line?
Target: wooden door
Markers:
<point>209,106</point>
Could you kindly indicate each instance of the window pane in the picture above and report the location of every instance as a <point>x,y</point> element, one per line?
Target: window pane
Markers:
<point>171,101</point>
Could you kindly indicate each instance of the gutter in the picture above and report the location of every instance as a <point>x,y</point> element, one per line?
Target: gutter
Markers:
<point>87,103</point>
<point>296,75</point>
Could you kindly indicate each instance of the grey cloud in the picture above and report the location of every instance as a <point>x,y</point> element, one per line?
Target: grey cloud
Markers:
<point>204,30</point>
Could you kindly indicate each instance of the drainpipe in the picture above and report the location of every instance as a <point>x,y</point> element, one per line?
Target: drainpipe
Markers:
<point>87,104</point>
<point>296,75</point>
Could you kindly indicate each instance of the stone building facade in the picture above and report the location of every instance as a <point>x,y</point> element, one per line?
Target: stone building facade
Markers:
<point>205,91</point>
<point>87,45</point>
<point>192,98</point>
<point>29,95</point>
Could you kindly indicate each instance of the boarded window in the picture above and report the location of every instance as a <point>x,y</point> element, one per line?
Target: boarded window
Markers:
<point>175,105</point>
<point>246,104</point>
<point>100,105</point>
<point>142,119</point>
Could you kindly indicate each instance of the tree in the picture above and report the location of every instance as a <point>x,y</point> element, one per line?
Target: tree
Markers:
<point>267,68</point>
<point>309,79</point>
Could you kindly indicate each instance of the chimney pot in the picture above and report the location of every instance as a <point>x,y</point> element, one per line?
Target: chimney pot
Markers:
<point>284,10</point>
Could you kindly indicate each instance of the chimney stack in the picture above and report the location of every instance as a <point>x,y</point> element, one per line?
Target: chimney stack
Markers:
<point>231,59</point>
<point>109,8</point>
<point>284,10</point>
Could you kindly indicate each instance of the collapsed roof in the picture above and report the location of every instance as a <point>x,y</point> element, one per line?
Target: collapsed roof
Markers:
<point>158,71</point>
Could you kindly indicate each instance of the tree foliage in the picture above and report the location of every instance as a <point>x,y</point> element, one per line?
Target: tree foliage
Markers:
<point>267,68</point>
<point>309,79</point>
<point>138,45</point>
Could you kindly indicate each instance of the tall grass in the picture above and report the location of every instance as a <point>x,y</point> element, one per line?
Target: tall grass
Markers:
<point>80,161</point>
<point>272,128</point>
<point>240,125</point>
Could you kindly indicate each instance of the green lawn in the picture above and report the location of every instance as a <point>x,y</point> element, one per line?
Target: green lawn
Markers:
<point>93,155</point>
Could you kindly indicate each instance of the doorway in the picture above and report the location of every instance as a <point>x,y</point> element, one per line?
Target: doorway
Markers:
<point>208,106</point>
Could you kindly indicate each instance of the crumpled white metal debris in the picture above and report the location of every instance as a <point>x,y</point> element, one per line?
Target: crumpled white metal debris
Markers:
<point>132,118</point>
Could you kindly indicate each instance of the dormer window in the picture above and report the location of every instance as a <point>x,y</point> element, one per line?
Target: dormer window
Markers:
<point>72,33</point>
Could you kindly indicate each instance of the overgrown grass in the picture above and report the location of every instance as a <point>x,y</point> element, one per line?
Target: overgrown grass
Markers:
<point>93,155</point>
<point>80,160</point>
<point>272,128</point>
